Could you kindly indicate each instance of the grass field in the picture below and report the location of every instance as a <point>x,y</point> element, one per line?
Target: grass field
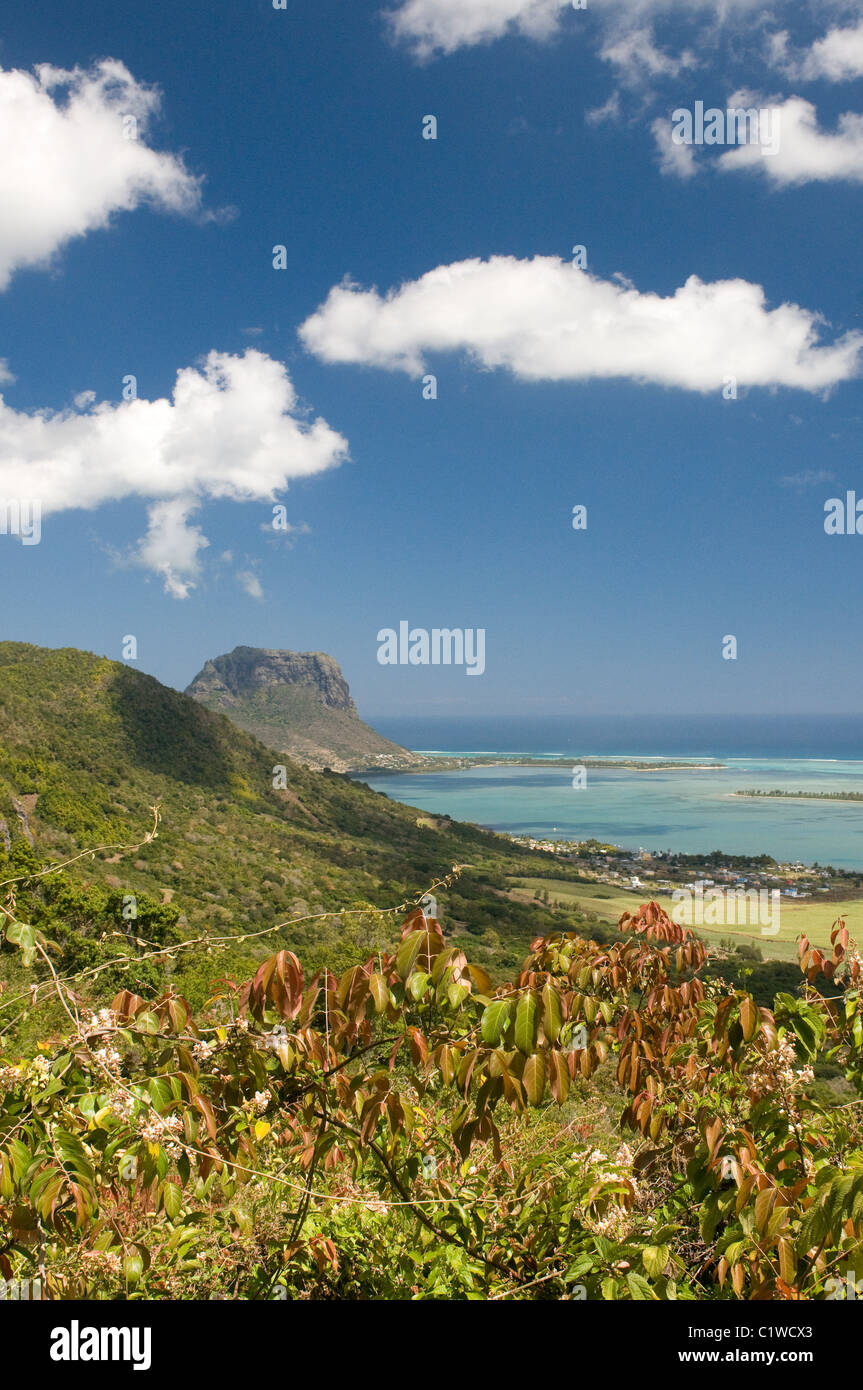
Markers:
<point>608,902</point>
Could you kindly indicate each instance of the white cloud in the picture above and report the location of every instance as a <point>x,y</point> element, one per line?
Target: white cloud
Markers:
<point>804,153</point>
<point>431,27</point>
<point>677,160</point>
<point>608,111</point>
<point>546,321</point>
<point>286,533</point>
<point>637,57</point>
<point>250,582</point>
<point>808,477</point>
<point>838,56</point>
<point>779,139</point>
<point>233,430</point>
<point>170,547</point>
<point>70,161</point>
<point>6,376</point>
<point>441,26</point>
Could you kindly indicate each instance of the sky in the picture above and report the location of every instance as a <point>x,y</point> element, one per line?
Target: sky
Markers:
<point>231,261</point>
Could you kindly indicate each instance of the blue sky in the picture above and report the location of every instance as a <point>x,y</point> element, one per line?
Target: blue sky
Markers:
<point>303,128</point>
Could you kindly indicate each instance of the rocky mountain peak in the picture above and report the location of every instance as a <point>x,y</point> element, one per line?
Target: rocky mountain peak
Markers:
<point>247,670</point>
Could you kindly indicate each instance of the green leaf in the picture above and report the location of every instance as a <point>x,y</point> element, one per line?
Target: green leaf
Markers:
<point>654,1259</point>
<point>21,934</point>
<point>160,1093</point>
<point>495,1021</point>
<point>552,1012</point>
<point>456,994</point>
<point>640,1289</point>
<point>763,1206</point>
<point>418,984</point>
<point>527,1023</point>
<point>408,951</point>
<point>379,992</point>
<point>172,1200</point>
<point>735,1251</point>
<point>7,1184</point>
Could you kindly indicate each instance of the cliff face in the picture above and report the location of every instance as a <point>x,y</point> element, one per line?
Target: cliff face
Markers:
<point>298,703</point>
<point>247,669</point>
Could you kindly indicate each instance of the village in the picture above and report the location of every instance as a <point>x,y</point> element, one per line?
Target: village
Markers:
<point>663,870</point>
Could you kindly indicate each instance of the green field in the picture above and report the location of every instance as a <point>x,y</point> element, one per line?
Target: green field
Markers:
<point>609,902</point>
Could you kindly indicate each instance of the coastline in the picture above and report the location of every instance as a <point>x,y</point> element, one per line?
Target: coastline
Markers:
<point>849,799</point>
<point>454,762</point>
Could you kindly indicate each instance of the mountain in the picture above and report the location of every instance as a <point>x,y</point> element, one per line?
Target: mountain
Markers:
<point>298,703</point>
<point>88,745</point>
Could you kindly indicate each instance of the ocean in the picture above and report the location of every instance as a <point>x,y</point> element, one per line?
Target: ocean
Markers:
<point>708,736</point>
<point>682,810</point>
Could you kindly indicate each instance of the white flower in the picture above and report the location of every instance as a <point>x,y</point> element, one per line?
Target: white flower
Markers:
<point>260,1102</point>
<point>154,1131</point>
<point>108,1057</point>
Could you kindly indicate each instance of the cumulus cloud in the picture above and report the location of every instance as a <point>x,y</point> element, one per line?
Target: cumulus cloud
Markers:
<point>781,140</point>
<point>431,27</point>
<point>544,320</point>
<point>804,153</point>
<point>232,430</point>
<point>170,547</point>
<point>74,153</point>
<point>441,26</point>
<point>838,56</point>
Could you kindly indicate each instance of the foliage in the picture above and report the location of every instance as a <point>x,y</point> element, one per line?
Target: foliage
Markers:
<point>389,1131</point>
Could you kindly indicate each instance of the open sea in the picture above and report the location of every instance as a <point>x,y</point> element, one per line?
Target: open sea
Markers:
<point>687,811</point>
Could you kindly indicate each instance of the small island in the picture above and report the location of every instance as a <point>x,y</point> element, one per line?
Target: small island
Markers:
<point>803,796</point>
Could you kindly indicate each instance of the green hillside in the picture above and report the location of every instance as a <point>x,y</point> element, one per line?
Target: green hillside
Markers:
<point>87,746</point>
